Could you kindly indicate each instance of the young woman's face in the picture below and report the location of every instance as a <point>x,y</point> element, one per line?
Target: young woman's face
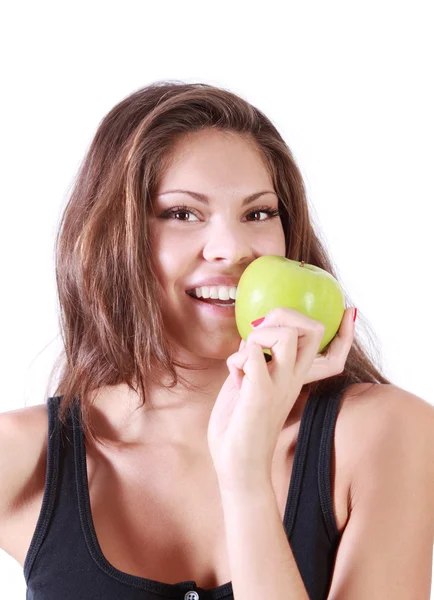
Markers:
<point>205,240</point>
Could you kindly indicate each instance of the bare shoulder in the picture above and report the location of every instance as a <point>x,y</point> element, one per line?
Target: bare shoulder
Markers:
<point>372,410</point>
<point>23,455</point>
<point>383,423</point>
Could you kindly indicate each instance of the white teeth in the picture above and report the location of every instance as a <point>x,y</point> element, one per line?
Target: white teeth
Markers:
<point>220,292</point>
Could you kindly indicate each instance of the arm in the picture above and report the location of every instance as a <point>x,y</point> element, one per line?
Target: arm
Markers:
<point>23,434</point>
<point>261,560</point>
<point>386,548</point>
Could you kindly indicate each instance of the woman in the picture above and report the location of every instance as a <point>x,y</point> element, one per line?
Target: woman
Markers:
<point>173,461</point>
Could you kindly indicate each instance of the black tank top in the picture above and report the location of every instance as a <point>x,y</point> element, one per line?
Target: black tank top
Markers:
<point>65,561</point>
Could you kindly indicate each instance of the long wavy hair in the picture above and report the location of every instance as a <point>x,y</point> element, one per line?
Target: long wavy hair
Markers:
<point>110,315</point>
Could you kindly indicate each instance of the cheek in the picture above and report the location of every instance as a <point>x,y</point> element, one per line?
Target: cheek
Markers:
<point>169,269</point>
<point>274,243</point>
<point>166,252</point>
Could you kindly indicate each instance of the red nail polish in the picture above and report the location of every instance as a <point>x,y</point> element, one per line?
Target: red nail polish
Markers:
<point>255,323</point>
<point>354,314</point>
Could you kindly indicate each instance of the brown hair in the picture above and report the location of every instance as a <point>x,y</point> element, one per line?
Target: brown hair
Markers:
<point>110,317</point>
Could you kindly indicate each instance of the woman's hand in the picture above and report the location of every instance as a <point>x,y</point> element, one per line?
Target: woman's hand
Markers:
<point>257,397</point>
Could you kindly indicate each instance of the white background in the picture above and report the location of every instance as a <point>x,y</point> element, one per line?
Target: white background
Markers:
<point>350,87</point>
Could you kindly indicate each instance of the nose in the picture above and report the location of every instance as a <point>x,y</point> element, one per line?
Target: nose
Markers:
<point>229,242</point>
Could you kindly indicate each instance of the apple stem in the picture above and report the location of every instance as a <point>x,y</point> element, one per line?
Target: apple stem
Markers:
<point>302,263</point>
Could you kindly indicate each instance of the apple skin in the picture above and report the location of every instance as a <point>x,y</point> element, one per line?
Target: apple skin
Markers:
<point>272,281</point>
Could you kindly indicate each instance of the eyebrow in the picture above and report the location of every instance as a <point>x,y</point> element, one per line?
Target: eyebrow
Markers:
<point>205,199</point>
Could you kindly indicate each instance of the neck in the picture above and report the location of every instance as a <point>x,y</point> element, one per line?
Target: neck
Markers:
<point>168,416</point>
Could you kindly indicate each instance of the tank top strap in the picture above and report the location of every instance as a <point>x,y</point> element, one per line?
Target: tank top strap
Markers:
<point>310,521</point>
<point>327,417</point>
<point>58,517</point>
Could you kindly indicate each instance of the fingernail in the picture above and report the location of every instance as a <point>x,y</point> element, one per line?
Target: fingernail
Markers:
<point>354,314</point>
<point>257,322</point>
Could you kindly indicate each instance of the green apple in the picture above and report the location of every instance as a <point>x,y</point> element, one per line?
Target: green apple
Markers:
<point>273,281</point>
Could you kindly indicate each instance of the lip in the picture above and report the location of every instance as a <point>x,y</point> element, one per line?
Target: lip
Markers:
<point>213,309</point>
<point>215,280</point>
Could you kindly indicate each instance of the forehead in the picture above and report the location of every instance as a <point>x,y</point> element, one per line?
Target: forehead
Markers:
<point>215,162</point>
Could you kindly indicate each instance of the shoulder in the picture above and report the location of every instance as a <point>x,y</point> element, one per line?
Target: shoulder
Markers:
<point>23,448</point>
<point>382,428</point>
<point>373,413</point>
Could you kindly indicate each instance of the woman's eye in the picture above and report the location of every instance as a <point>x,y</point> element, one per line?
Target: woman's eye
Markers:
<point>179,211</point>
<point>271,212</point>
